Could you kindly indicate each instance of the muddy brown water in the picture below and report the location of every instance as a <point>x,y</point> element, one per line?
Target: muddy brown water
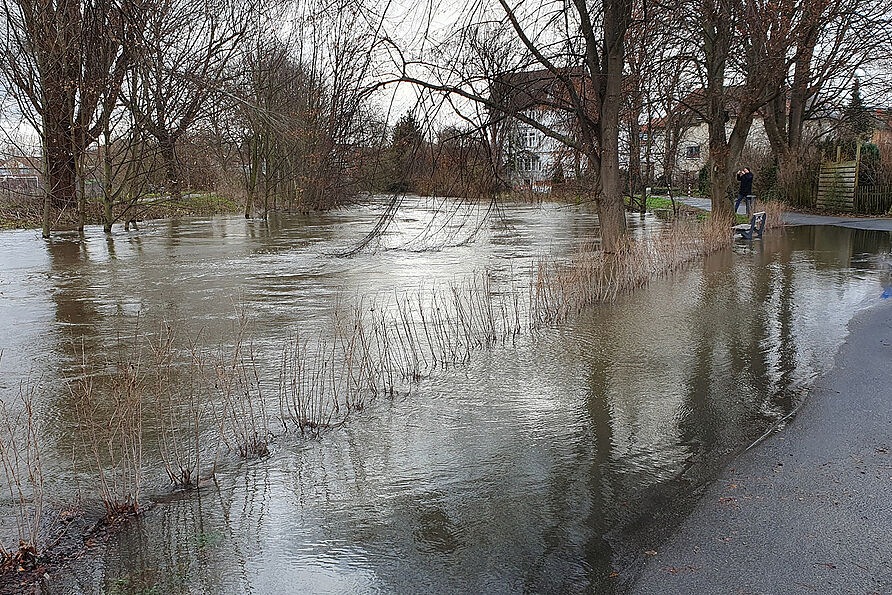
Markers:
<point>548,465</point>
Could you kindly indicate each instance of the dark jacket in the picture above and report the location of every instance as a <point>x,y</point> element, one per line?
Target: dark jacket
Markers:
<point>746,183</point>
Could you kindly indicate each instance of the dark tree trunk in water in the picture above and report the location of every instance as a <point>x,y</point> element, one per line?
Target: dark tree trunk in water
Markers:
<point>253,175</point>
<point>107,198</point>
<point>60,181</point>
<point>168,154</point>
<point>81,200</point>
<point>107,216</point>
<point>612,217</point>
<point>60,169</point>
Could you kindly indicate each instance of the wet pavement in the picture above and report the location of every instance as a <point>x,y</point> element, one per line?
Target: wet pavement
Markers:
<point>807,510</point>
<point>867,223</point>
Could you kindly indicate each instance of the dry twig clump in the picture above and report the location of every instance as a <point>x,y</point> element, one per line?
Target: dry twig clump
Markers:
<point>23,473</point>
<point>563,288</point>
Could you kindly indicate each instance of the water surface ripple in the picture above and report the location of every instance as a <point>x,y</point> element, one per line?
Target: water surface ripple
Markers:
<point>549,465</point>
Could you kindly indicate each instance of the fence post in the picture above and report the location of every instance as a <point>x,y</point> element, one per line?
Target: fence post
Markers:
<point>857,162</point>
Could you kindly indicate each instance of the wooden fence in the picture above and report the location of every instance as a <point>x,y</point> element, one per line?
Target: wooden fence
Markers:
<point>872,200</point>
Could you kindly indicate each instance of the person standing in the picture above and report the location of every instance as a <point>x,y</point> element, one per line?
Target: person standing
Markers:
<point>745,177</point>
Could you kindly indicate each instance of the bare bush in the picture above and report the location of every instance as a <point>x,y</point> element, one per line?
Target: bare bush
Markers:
<point>109,409</point>
<point>561,289</point>
<point>181,406</point>
<point>20,457</point>
<point>244,424</point>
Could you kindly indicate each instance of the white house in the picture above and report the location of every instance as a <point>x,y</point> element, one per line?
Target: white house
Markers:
<point>693,145</point>
<point>532,157</point>
<point>692,151</point>
<point>536,156</point>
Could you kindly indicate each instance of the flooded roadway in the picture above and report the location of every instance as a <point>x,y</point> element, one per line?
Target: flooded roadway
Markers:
<point>548,465</point>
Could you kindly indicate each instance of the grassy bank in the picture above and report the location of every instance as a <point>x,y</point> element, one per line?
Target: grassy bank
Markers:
<point>773,208</point>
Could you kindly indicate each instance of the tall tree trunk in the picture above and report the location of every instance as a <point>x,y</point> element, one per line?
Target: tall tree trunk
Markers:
<point>81,196</point>
<point>107,197</point>
<point>785,118</point>
<point>635,185</point>
<point>720,183</point>
<point>46,209</point>
<point>108,215</point>
<point>60,165</point>
<point>171,168</point>
<point>716,48</point>
<point>611,211</point>
<point>253,173</point>
<point>59,176</point>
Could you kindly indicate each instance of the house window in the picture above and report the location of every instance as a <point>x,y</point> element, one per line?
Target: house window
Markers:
<point>692,152</point>
<point>529,139</point>
<point>529,163</point>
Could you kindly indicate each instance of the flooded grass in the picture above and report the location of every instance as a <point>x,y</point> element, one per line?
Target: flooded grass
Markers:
<point>563,288</point>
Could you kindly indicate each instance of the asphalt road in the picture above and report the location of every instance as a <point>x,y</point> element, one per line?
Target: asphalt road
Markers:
<point>880,224</point>
<point>852,222</point>
<point>809,509</point>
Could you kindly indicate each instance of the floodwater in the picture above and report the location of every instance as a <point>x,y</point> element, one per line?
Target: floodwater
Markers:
<point>550,465</point>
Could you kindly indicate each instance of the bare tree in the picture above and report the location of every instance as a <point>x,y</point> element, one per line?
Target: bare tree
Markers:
<point>742,43</point>
<point>579,52</point>
<point>296,116</point>
<point>180,67</point>
<point>833,40</point>
<point>127,163</point>
<point>66,60</point>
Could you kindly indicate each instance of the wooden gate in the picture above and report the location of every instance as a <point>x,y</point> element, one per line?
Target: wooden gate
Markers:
<point>836,186</point>
<point>838,181</point>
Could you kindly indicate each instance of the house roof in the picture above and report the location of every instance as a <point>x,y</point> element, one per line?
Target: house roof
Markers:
<point>690,109</point>
<point>22,162</point>
<point>883,117</point>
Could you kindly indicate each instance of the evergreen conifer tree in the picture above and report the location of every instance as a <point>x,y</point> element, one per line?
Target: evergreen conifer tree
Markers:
<point>858,119</point>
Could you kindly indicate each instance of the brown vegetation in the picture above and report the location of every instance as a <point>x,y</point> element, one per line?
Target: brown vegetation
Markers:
<point>20,458</point>
<point>109,408</point>
<point>561,289</point>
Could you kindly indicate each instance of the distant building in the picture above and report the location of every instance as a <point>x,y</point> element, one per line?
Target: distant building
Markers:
<point>20,171</point>
<point>692,148</point>
<point>533,158</point>
<point>690,138</point>
<point>24,175</point>
<point>882,133</point>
